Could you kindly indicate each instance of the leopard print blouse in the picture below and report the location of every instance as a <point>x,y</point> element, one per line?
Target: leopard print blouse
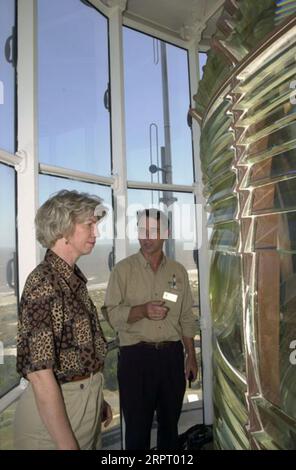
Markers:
<point>58,325</point>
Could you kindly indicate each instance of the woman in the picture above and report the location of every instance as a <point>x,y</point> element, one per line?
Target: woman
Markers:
<point>61,347</point>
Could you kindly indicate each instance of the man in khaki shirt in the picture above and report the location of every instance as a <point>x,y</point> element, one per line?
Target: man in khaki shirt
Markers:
<point>149,303</point>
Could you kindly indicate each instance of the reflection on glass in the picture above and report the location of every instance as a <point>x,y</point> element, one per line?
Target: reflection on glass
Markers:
<point>226,307</point>
<point>8,280</point>
<point>7,75</point>
<point>73,77</point>
<point>287,331</point>
<point>157,101</point>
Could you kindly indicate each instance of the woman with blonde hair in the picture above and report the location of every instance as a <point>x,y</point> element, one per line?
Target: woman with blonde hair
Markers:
<point>61,346</point>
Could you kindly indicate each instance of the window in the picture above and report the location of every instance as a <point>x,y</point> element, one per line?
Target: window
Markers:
<point>73,78</point>
<point>8,255</point>
<point>158,139</point>
<point>8,281</point>
<point>7,75</point>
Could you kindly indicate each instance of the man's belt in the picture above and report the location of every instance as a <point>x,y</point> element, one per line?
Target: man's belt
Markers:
<point>156,345</point>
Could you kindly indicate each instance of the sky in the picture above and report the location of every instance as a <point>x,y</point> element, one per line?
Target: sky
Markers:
<point>7,12</point>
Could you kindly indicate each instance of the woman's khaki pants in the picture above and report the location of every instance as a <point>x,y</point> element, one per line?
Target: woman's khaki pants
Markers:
<point>83,401</point>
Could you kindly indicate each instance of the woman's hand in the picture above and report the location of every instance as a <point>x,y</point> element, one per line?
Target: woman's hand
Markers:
<point>106,413</point>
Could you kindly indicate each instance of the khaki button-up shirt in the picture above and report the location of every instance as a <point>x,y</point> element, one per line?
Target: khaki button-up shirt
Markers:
<point>133,282</point>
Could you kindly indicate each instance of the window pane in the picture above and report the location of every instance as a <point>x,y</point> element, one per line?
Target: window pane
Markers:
<point>95,266</point>
<point>74,125</point>
<point>156,99</point>
<point>8,281</point>
<point>7,75</point>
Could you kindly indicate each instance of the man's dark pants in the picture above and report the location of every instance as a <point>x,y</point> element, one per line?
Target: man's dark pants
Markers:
<point>151,378</point>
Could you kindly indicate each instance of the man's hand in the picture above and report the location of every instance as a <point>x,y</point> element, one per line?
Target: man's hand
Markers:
<point>106,413</point>
<point>190,367</point>
<point>190,358</point>
<point>155,310</point>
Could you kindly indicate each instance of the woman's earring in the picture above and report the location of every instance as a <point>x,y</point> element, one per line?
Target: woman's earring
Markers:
<point>66,242</point>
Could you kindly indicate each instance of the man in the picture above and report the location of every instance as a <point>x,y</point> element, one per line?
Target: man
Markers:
<point>149,303</point>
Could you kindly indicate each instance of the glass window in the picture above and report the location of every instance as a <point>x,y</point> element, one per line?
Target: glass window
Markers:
<point>7,75</point>
<point>8,281</point>
<point>73,78</point>
<point>157,101</point>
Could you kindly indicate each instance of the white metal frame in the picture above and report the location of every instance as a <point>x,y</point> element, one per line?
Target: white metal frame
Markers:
<point>25,161</point>
<point>27,181</point>
<point>52,170</point>
<point>10,159</point>
<point>118,129</point>
<point>203,254</point>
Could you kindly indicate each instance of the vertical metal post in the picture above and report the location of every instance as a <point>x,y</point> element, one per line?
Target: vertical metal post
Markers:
<point>166,154</point>
<point>27,178</point>
<point>203,252</point>
<point>118,131</point>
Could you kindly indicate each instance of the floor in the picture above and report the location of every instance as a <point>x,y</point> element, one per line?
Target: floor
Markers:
<point>192,414</point>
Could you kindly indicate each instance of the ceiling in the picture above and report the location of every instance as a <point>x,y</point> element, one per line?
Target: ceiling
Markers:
<point>186,19</point>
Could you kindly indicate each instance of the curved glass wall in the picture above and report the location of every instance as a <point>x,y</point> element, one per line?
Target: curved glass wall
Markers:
<point>248,161</point>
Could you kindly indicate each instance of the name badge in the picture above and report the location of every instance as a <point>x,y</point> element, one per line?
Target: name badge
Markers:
<point>169,296</point>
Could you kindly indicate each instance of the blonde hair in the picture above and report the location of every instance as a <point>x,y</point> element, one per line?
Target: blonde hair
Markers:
<point>57,217</point>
